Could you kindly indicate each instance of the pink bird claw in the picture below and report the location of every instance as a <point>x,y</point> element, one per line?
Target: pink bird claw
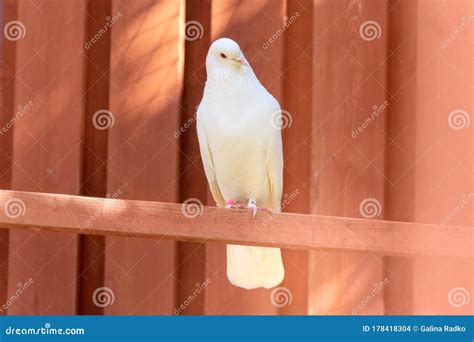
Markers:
<point>252,205</point>
<point>230,204</point>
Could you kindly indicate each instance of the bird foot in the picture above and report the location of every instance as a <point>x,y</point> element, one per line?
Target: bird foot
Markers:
<point>252,206</point>
<point>231,204</point>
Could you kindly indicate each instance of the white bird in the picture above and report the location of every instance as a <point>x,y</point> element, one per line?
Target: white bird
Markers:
<point>241,149</point>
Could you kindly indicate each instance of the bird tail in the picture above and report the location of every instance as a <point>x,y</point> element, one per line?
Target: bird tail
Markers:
<point>251,267</point>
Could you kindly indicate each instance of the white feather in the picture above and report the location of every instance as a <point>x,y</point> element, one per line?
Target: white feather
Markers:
<point>242,154</point>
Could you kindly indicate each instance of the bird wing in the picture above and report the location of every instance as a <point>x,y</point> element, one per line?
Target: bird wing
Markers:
<point>274,165</point>
<point>208,163</point>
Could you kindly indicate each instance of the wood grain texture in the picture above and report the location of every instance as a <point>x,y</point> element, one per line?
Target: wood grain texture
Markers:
<point>297,105</point>
<point>158,220</point>
<point>91,259</point>
<point>250,23</point>
<point>349,80</point>
<point>8,12</point>
<point>193,182</point>
<point>143,162</point>
<point>46,148</point>
<point>432,161</point>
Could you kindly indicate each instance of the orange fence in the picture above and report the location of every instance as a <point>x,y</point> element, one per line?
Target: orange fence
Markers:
<point>98,100</point>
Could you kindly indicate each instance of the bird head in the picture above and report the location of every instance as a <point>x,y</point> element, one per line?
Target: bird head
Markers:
<point>225,53</point>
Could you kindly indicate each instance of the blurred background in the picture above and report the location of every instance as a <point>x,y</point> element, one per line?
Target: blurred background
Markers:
<point>98,98</point>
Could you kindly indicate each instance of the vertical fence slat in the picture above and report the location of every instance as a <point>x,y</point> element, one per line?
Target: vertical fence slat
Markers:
<point>235,19</point>
<point>431,78</point>
<point>94,152</point>
<point>402,48</point>
<point>193,182</point>
<point>7,113</point>
<point>46,149</point>
<point>297,106</point>
<point>145,90</point>
<point>349,80</point>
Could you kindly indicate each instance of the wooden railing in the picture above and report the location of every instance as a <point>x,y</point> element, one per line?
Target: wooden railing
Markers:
<point>102,216</point>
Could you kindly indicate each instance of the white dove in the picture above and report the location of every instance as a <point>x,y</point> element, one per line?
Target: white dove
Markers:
<point>241,149</point>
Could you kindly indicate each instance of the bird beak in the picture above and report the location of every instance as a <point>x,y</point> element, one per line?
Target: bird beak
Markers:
<point>241,61</point>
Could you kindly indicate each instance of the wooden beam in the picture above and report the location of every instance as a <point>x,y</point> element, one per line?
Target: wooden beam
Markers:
<point>129,218</point>
<point>48,87</point>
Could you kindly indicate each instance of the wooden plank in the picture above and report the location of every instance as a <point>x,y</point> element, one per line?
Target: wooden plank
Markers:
<point>94,169</point>
<point>193,182</point>
<point>250,23</point>
<point>297,105</point>
<point>166,220</point>
<point>348,168</point>
<point>7,117</point>
<point>46,148</point>
<point>402,47</point>
<point>433,152</point>
<point>143,163</point>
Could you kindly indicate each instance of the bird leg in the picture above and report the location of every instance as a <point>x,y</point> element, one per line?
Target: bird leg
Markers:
<point>232,204</point>
<point>252,205</point>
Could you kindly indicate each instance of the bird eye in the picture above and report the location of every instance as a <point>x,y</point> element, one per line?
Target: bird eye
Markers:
<point>223,55</point>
